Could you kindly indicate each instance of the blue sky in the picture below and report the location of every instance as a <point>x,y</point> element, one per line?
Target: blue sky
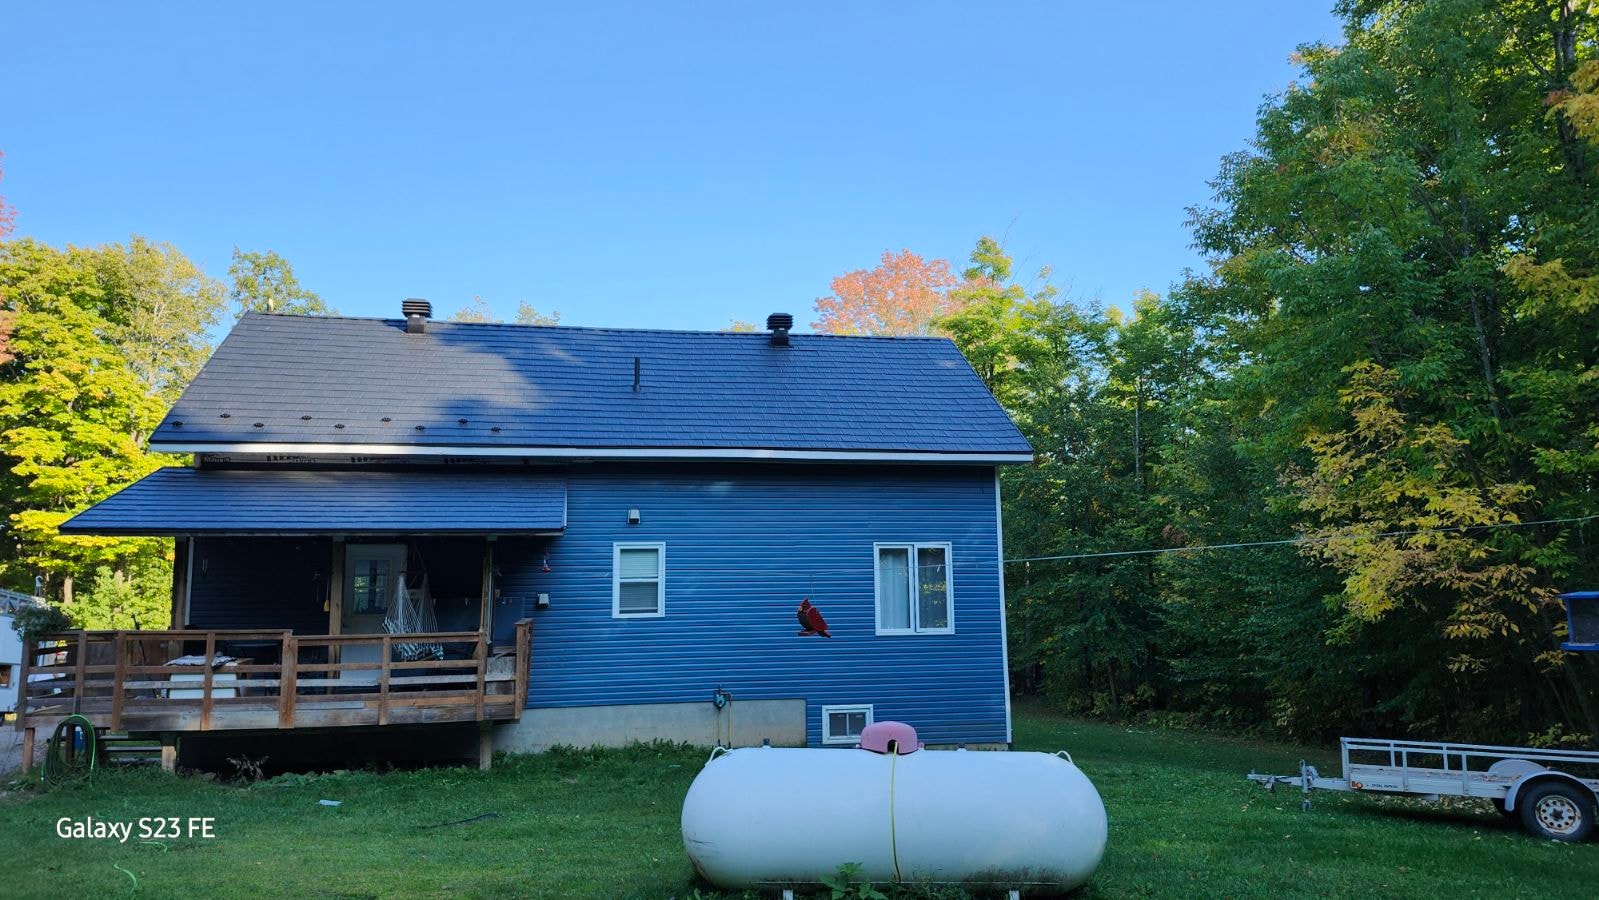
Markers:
<point>657,165</point>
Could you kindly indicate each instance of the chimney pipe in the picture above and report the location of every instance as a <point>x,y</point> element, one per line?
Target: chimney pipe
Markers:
<point>779,324</point>
<point>416,313</point>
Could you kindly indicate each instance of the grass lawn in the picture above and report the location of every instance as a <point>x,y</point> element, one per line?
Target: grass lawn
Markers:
<point>1184,823</point>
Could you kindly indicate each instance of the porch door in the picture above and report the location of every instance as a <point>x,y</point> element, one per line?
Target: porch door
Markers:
<point>371,574</point>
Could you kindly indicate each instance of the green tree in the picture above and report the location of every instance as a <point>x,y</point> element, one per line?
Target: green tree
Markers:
<point>527,314</point>
<point>119,600</point>
<point>1409,240</point>
<point>265,282</point>
<point>97,349</point>
<point>161,306</point>
<point>478,311</point>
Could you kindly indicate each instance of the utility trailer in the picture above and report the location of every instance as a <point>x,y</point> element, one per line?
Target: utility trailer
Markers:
<point>1552,793</point>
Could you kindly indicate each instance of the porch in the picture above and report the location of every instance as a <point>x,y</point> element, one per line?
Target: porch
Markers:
<point>168,683</point>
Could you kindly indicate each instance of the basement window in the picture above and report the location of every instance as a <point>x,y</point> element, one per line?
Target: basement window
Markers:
<point>844,724</point>
<point>914,592</point>
<point>638,581</point>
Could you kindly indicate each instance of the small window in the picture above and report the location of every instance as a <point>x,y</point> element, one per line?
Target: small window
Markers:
<point>5,676</point>
<point>914,594</point>
<point>638,587</point>
<point>844,724</point>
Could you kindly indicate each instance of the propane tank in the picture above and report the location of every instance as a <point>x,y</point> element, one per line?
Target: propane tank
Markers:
<point>768,816</point>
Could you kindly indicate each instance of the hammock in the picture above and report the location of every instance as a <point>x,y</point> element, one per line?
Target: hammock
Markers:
<point>411,613</point>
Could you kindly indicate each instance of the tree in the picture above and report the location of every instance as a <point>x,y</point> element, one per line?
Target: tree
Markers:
<point>78,400</point>
<point>265,282</point>
<point>1400,290</point>
<point>526,314</point>
<point>904,295</point>
<point>117,600</point>
<point>478,311</point>
<point>161,306</point>
<point>739,326</point>
<point>8,213</point>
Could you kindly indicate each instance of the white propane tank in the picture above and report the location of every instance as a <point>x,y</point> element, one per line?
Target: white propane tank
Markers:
<point>767,816</point>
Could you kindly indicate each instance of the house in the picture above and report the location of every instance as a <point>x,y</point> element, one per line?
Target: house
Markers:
<point>568,536</point>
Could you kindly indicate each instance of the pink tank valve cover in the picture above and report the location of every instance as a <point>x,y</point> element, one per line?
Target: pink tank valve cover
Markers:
<point>878,736</point>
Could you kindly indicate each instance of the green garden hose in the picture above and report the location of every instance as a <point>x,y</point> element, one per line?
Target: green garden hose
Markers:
<point>73,752</point>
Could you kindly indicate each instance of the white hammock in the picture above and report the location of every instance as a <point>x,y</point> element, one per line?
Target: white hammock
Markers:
<point>412,613</point>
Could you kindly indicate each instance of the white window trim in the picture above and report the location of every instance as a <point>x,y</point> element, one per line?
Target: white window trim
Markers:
<point>916,585</point>
<point>616,578</point>
<point>827,713</point>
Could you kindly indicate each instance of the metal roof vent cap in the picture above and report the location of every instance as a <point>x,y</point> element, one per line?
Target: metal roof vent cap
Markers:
<point>779,325</point>
<point>416,312</point>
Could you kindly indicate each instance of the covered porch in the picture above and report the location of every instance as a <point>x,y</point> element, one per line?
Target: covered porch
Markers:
<point>312,600</point>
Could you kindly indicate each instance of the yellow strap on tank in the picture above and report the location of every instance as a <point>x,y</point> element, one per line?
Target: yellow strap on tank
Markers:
<point>893,839</point>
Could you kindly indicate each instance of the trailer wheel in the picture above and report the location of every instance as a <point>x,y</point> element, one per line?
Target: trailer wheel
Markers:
<point>1557,811</point>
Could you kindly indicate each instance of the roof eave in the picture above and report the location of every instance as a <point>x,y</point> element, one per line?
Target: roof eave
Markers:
<point>640,454</point>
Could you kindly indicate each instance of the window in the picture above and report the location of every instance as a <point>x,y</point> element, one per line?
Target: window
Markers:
<point>5,675</point>
<point>844,724</point>
<point>371,577</point>
<point>638,581</point>
<point>913,589</point>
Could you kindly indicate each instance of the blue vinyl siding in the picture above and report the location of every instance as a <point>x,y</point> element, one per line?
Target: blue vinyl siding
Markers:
<point>744,544</point>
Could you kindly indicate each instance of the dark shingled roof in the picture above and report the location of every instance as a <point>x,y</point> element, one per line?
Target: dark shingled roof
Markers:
<point>315,380</point>
<point>242,501</point>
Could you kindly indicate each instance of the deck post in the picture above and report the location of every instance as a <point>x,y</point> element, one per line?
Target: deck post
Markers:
<point>82,675</point>
<point>288,677</point>
<point>205,691</point>
<point>383,681</point>
<point>524,661</point>
<point>485,746</point>
<point>482,654</point>
<point>169,752</point>
<point>27,747</point>
<point>119,646</point>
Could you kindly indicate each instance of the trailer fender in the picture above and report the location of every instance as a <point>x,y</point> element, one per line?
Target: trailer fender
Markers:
<point>1542,775</point>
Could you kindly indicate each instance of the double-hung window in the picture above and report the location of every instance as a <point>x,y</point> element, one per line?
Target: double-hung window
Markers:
<point>914,593</point>
<point>638,581</point>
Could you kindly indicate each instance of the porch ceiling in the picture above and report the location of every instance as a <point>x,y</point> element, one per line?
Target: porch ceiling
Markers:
<point>187,501</point>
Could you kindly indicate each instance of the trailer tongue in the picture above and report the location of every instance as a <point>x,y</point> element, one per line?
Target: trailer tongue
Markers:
<point>1523,782</point>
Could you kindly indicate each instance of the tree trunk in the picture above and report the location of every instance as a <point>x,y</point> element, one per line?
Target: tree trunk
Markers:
<point>66,590</point>
<point>1572,144</point>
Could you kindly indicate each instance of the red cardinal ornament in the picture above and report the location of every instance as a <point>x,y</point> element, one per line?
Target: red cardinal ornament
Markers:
<point>810,619</point>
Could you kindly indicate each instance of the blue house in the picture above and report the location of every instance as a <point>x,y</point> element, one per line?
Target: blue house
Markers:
<point>571,536</point>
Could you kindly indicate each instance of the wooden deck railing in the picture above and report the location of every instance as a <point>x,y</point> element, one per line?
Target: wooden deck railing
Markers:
<point>125,680</point>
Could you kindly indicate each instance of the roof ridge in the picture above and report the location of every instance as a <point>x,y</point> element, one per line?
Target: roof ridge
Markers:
<point>606,328</point>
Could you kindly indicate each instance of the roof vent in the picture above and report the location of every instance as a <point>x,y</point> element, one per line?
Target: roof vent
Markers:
<point>779,324</point>
<point>416,312</point>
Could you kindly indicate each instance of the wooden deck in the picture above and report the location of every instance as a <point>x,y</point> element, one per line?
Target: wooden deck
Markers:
<point>126,682</point>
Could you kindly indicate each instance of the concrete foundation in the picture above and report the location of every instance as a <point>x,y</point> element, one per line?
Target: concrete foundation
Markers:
<point>751,721</point>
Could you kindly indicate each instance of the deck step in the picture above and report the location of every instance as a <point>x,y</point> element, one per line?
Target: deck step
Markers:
<point>126,750</point>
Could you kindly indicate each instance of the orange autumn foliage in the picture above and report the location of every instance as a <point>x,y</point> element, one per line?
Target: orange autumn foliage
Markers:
<point>904,295</point>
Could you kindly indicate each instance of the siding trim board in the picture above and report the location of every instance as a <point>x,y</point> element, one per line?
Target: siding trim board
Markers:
<point>1004,607</point>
